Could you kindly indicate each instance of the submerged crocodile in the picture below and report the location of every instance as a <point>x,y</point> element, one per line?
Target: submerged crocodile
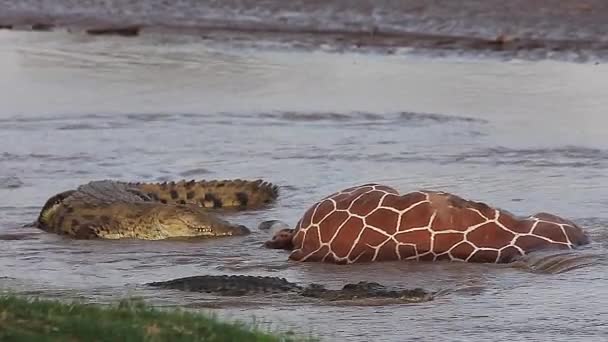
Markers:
<point>152,211</point>
<point>241,285</point>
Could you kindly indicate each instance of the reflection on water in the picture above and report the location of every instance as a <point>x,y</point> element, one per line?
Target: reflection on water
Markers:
<point>526,137</point>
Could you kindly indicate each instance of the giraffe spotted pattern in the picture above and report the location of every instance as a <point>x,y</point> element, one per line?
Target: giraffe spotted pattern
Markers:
<point>372,222</point>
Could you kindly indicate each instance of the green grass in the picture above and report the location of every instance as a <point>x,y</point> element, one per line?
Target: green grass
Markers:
<point>23,319</point>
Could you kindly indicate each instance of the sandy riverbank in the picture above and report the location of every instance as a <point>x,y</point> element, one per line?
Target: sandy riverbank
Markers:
<point>570,29</point>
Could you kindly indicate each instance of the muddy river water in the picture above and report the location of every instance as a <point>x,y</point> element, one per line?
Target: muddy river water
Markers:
<point>524,135</point>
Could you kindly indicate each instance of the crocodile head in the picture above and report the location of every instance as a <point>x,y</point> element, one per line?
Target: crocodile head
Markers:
<point>114,210</point>
<point>51,207</point>
<point>192,221</point>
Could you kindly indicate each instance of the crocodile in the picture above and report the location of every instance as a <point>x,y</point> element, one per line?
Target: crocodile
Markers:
<point>108,209</point>
<point>242,285</point>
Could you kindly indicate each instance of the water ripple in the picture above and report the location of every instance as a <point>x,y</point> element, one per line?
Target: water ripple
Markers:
<point>566,156</point>
<point>139,120</point>
<point>10,182</point>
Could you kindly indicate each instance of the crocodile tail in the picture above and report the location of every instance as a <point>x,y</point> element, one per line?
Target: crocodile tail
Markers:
<point>237,193</point>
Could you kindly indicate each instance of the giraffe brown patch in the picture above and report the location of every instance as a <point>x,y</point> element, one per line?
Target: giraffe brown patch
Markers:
<point>383,219</point>
<point>551,231</point>
<point>508,254</point>
<point>362,255</point>
<point>343,201</point>
<point>406,251</point>
<point>366,203</point>
<point>319,255</point>
<point>576,235</point>
<point>427,257</point>
<point>403,202</point>
<point>387,252</point>
<point>324,209</point>
<point>346,237</point>
<point>552,218</point>
<point>298,238</point>
<point>358,190</point>
<point>442,220</point>
<point>190,194</point>
<point>387,189</point>
<point>443,257</point>
<point>443,242</point>
<point>418,216</point>
<point>306,220</point>
<point>524,226</point>
<point>336,261</point>
<point>420,238</point>
<point>310,241</point>
<point>481,207</point>
<point>164,201</point>
<point>490,235</point>
<point>513,224</point>
<point>530,243</point>
<point>174,194</point>
<point>442,201</point>
<point>296,255</point>
<point>457,219</point>
<point>330,225</point>
<point>182,202</point>
<point>484,256</point>
<point>243,198</point>
<point>373,237</point>
<point>450,218</point>
<point>459,202</point>
<point>462,250</point>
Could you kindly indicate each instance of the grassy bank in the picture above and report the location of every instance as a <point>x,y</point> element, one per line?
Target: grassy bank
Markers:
<point>23,319</point>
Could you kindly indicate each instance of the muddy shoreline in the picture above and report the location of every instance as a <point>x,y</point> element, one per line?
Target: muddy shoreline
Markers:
<point>538,29</point>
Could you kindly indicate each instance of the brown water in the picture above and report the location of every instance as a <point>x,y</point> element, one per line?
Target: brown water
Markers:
<point>524,136</point>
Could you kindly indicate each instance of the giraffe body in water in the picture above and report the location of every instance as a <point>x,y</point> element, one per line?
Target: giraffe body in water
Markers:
<point>373,222</point>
